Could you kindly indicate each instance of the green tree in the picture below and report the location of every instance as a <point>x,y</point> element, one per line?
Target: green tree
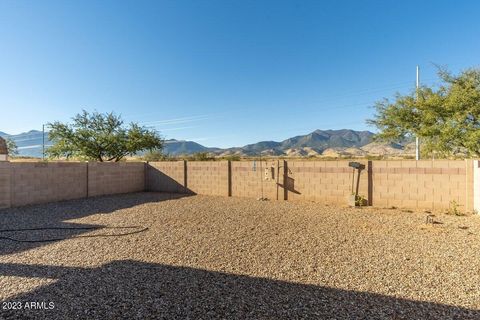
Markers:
<point>101,137</point>
<point>11,147</point>
<point>446,118</point>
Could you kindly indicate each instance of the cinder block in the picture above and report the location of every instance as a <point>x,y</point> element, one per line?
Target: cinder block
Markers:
<point>424,164</point>
<point>456,164</point>
<point>409,204</point>
<point>394,203</point>
<point>382,203</point>
<point>440,164</point>
<point>408,164</point>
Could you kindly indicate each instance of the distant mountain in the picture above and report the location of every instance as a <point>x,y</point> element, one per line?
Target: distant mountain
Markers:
<point>322,139</point>
<point>310,144</point>
<point>253,149</point>
<point>29,143</point>
<point>179,147</point>
<point>326,143</point>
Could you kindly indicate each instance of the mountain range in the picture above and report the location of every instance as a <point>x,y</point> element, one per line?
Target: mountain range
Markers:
<point>319,143</point>
<point>327,143</point>
<point>29,143</point>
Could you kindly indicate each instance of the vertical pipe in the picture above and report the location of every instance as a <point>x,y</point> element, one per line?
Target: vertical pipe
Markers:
<point>417,149</point>
<point>43,142</point>
<point>229,177</point>
<point>417,142</point>
<point>418,77</point>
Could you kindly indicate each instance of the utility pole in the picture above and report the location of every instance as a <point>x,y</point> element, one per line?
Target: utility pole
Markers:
<point>43,142</point>
<point>417,142</point>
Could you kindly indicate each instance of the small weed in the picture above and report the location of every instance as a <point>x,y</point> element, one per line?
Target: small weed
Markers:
<point>453,209</point>
<point>360,201</point>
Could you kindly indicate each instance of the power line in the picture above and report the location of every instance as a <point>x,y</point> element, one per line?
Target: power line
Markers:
<point>417,142</point>
<point>399,85</point>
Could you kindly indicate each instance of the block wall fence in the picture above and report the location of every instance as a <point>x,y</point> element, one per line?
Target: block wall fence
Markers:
<point>24,183</point>
<point>412,184</point>
<point>424,184</point>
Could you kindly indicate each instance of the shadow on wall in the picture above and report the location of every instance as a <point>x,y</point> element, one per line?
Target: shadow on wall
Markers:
<point>158,181</point>
<point>290,184</point>
<point>55,214</point>
<point>135,290</point>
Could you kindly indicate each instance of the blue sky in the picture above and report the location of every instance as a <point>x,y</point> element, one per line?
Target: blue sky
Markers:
<point>224,73</point>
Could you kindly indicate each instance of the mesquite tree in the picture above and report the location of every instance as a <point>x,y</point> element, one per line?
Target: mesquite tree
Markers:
<point>101,137</point>
<point>445,118</point>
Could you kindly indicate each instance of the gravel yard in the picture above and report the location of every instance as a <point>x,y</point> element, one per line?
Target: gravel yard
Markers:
<point>208,257</point>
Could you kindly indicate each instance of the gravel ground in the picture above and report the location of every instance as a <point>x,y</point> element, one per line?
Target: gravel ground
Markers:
<point>211,257</point>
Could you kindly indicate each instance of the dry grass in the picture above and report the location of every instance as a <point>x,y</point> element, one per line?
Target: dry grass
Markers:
<point>211,257</point>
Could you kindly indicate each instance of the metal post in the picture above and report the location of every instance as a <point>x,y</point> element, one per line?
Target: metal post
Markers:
<point>417,142</point>
<point>229,177</point>
<point>43,142</point>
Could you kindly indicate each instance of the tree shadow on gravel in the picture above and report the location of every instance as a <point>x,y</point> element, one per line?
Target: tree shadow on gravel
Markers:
<point>54,215</point>
<point>136,290</point>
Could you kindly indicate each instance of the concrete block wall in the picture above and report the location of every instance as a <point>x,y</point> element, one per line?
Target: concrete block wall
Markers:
<point>405,184</point>
<point>5,184</point>
<point>166,176</point>
<point>422,184</point>
<point>412,184</point>
<point>112,178</point>
<point>24,183</point>
<point>325,181</point>
<point>38,182</point>
<point>248,179</point>
<point>209,178</point>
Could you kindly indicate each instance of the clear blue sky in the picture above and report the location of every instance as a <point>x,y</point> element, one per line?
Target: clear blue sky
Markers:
<point>224,73</point>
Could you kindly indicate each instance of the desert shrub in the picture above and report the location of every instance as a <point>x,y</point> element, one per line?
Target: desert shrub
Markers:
<point>232,158</point>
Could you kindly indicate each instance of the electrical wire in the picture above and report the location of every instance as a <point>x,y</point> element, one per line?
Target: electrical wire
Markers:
<point>143,229</point>
<point>325,99</point>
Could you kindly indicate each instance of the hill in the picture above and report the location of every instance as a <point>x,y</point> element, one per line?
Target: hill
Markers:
<point>321,143</point>
<point>314,143</point>
<point>179,147</point>
<point>29,143</point>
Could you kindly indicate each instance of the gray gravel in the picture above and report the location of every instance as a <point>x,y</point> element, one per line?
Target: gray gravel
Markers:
<point>229,258</point>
